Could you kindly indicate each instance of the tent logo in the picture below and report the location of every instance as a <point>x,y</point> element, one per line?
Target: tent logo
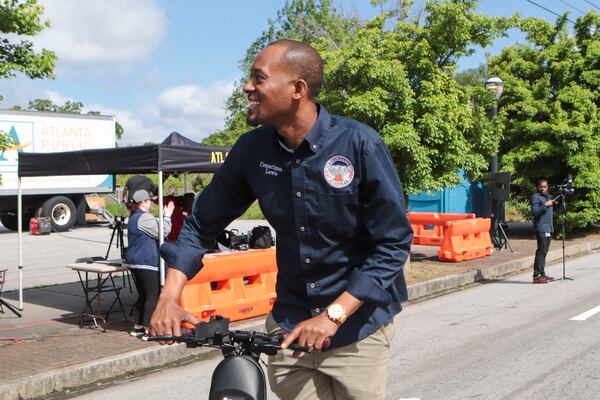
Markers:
<point>218,156</point>
<point>16,143</point>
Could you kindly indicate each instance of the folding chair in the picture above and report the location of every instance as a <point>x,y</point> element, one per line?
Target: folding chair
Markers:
<point>2,302</point>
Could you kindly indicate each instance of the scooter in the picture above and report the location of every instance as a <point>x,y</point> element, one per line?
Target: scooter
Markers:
<point>239,375</point>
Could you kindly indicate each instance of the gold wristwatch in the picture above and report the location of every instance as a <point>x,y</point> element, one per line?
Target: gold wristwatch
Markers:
<point>335,312</point>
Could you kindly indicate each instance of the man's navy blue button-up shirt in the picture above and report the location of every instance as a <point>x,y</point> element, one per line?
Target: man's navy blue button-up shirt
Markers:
<point>337,206</point>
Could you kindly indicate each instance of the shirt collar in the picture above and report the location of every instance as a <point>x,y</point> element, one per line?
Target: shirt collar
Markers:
<point>316,134</point>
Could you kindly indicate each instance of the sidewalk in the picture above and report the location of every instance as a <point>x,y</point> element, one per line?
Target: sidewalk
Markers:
<point>46,351</point>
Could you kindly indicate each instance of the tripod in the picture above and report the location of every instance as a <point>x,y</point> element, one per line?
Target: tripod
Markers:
<point>117,230</point>
<point>498,235</point>
<point>116,223</point>
<point>563,210</point>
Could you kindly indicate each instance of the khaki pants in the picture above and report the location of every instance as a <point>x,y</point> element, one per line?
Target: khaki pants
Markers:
<point>357,371</point>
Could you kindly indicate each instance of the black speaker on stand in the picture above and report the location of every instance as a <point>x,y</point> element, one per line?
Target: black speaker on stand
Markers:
<point>500,194</point>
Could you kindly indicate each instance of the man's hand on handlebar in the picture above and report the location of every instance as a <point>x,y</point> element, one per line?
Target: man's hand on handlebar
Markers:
<point>168,316</point>
<point>311,333</point>
<point>167,319</point>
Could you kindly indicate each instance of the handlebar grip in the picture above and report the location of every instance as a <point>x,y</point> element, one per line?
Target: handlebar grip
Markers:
<point>165,338</point>
<point>297,347</point>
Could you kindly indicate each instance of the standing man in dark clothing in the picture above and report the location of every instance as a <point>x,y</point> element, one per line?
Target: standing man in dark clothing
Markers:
<point>329,188</point>
<point>541,208</point>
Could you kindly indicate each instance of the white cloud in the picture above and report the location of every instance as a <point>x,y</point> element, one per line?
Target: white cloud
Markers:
<point>193,111</point>
<point>97,33</point>
<point>55,97</point>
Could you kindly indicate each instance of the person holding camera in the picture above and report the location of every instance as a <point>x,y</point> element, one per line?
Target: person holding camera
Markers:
<point>329,188</point>
<point>542,206</point>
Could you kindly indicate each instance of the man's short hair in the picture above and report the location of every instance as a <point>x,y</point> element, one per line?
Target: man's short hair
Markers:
<point>305,62</point>
<point>540,180</point>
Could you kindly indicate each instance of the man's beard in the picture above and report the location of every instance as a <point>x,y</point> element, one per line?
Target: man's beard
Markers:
<point>252,121</point>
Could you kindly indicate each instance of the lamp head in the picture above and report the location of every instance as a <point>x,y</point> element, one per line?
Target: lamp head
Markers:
<point>496,86</point>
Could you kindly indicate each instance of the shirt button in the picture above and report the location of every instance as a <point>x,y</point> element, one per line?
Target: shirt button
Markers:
<point>312,285</point>
<point>302,228</point>
<point>298,161</point>
<point>298,194</point>
<point>315,146</point>
<point>317,310</point>
<point>307,260</point>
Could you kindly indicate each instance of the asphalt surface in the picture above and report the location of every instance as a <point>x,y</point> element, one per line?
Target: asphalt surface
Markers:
<point>48,354</point>
<point>504,339</point>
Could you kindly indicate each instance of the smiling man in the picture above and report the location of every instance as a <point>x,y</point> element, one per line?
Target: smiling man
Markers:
<point>329,188</point>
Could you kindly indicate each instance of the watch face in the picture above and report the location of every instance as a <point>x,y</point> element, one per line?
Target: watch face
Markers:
<point>335,311</point>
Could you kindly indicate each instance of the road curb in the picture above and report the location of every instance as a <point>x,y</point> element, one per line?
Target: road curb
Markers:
<point>79,375</point>
<point>108,368</point>
<point>435,287</point>
<point>87,373</point>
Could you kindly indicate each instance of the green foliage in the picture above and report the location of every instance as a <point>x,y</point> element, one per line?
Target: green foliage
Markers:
<point>400,82</point>
<point>47,105</point>
<point>23,18</point>
<point>70,107</point>
<point>174,185</point>
<point>549,111</point>
<point>472,77</point>
<point>253,212</point>
<point>395,73</point>
<point>306,20</point>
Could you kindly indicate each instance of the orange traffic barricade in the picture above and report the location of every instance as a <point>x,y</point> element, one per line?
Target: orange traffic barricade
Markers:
<point>236,285</point>
<point>428,228</point>
<point>466,240</point>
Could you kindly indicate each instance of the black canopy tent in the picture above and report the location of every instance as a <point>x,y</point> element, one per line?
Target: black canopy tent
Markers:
<point>184,155</point>
<point>125,160</point>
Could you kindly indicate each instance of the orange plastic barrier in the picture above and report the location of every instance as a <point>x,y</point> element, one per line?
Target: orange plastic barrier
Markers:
<point>236,285</point>
<point>422,221</point>
<point>466,240</point>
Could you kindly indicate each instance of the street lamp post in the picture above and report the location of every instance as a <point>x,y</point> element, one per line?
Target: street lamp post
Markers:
<point>496,87</point>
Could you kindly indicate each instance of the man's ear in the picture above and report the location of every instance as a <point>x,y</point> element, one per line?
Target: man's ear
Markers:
<point>300,89</point>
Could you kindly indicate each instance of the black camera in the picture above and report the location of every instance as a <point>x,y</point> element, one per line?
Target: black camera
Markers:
<point>566,187</point>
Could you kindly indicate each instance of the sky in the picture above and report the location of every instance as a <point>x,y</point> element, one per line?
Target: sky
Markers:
<point>169,65</point>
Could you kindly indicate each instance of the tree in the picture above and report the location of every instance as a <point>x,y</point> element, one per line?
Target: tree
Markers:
<point>306,20</point>
<point>69,107</point>
<point>472,76</point>
<point>549,111</point>
<point>395,73</point>
<point>23,18</point>
<point>400,81</point>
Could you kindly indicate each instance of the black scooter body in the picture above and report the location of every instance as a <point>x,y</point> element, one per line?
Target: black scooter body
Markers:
<point>249,379</point>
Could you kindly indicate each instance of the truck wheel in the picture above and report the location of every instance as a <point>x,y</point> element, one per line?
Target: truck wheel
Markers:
<point>62,212</point>
<point>10,221</point>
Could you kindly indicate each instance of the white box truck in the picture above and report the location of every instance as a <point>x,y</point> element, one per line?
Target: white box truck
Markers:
<point>62,198</point>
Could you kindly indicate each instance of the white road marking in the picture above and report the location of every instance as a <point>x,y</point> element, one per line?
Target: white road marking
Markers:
<point>585,315</point>
<point>409,398</point>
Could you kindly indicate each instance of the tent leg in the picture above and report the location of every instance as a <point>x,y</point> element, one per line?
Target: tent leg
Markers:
<point>20,240</point>
<point>161,237</point>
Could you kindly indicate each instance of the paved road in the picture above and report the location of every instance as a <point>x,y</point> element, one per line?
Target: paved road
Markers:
<point>45,257</point>
<point>506,339</point>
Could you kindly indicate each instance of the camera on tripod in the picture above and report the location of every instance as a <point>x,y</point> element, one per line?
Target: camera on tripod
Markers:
<point>566,187</point>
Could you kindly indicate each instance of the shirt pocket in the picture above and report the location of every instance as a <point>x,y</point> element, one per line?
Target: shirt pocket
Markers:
<point>338,215</point>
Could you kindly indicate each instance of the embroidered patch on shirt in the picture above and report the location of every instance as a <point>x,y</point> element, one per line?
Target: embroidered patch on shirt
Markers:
<point>271,169</point>
<point>338,172</point>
